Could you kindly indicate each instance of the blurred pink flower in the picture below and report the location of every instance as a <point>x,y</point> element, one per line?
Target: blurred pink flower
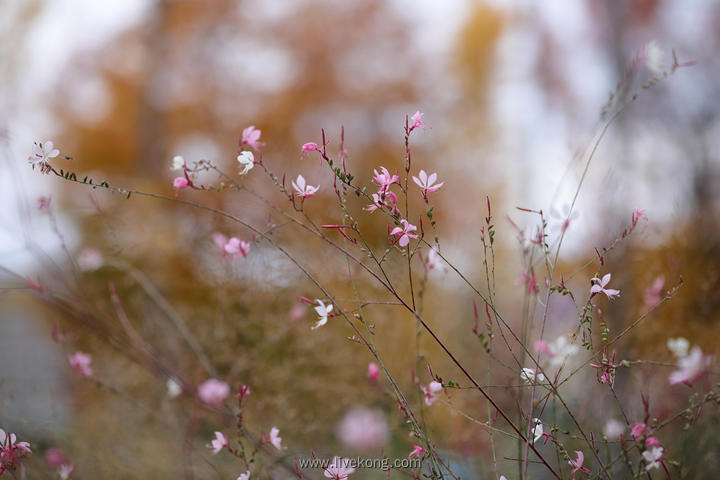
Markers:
<point>363,429</point>
<point>297,311</point>
<point>89,259</point>
<point>302,188</point>
<point>373,372</point>
<point>638,214</point>
<point>310,147</point>
<point>236,247</point>
<point>218,443</point>
<point>180,182</point>
<point>56,457</point>
<point>220,240</point>
<point>81,362</point>
<point>638,430</point>
<point>416,451</point>
<point>434,260</point>
<point>275,438</point>
<point>339,469</point>
<point>251,136</point>
<point>43,203</point>
<point>404,232</point>
<point>384,179</point>
<point>431,392</point>
<point>417,120</point>
<point>243,391</point>
<point>613,429</point>
<point>599,287</point>
<point>653,293</point>
<point>690,367</point>
<point>427,183</point>
<point>577,463</point>
<point>213,392</point>
<point>652,442</point>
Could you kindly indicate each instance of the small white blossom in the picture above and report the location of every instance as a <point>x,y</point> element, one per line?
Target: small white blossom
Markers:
<point>530,376</point>
<point>651,457</point>
<point>178,163</point>
<point>247,161</point>
<point>679,346</point>
<point>42,153</point>
<point>322,311</point>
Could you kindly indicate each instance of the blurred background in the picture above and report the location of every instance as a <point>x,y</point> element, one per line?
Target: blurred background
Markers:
<point>513,93</point>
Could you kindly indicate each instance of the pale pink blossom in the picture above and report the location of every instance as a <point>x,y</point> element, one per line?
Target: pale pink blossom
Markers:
<point>652,457</point>
<point>373,372</point>
<point>213,392</point>
<point>178,163</point>
<point>679,346</point>
<point>218,443</point>
<point>690,367</point>
<point>558,351</point>
<point>363,428</point>
<point>653,293</point>
<point>416,451</point>
<point>323,311</point>
<point>56,457</point>
<point>564,216</point>
<point>339,469</point>
<point>43,203</point>
<point>310,147</point>
<point>427,183</point>
<point>243,391</point>
<point>89,259</point>
<point>220,240</point>
<point>42,153</point>
<point>613,429</point>
<point>577,464</point>
<point>652,442</point>
<point>638,213</point>
<point>251,137</point>
<point>237,247</point>
<point>244,476</point>
<point>404,232</point>
<point>387,200</point>
<point>302,188</point>
<point>297,312</point>
<point>431,392</point>
<point>384,179</point>
<point>81,363</point>
<point>434,261</point>
<point>417,120</point>
<point>180,183</point>
<point>247,161</point>
<point>275,438</point>
<point>599,287</point>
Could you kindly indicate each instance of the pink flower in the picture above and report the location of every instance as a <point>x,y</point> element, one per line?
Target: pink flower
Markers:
<point>638,430</point>
<point>599,287</point>
<point>275,438</point>
<point>11,451</point>
<point>653,293</point>
<point>56,457</point>
<point>381,200</point>
<point>89,259</point>
<point>236,247</point>
<point>384,179</point>
<point>404,232</point>
<point>302,189</point>
<point>339,469</point>
<point>417,120</point>
<point>310,147</point>
<point>43,203</point>
<point>416,451</point>
<point>541,346</point>
<point>81,362</point>
<point>220,240</point>
<point>243,392</point>
<point>652,442</point>
<point>213,392</point>
<point>431,392</point>
<point>180,182</point>
<point>637,214</point>
<point>363,428</point>
<point>577,463</point>
<point>251,136</point>
<point>218,443</point>
<point>690,367</point>
<point>42,153</point>
<point>373,372</point>
<point>434,260</point>
<point>427,183</point>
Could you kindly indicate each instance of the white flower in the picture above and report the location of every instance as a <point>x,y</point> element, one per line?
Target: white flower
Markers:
<point>613,429</point>
<point>561,349</point>
<point>275,439</point>
<point>173,388</point>
<point>302,189</point>
<point>339,469</point>
<point>65,470</point>
<point>89,259</point>
<point>218,443</point>
<point>537,430</point>
<point>247,161</point>
<point>654,57</point>
<point>690,367</point>
<point>42,153</point>
<point>322,312</point>
<point>652,456</point>
<point>178,163</point>
<point>244,476</point>
<point>530,376</point>
<point>679,346</point>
